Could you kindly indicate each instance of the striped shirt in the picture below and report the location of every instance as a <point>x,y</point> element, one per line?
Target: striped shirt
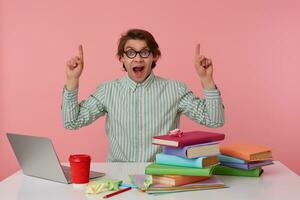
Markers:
<point>135,112</point>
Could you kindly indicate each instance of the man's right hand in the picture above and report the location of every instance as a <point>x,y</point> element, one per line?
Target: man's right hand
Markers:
<point>74,70</point>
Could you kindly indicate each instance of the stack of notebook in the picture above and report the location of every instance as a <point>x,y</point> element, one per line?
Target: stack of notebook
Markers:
<point>186,163</point>
<point>158,188</point>
<point>241,159</point>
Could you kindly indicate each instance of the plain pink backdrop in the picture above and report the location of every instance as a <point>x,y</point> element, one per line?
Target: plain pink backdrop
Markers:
<point>254,46</point>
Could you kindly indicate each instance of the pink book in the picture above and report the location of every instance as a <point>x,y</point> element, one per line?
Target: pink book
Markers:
<point>178,138</point>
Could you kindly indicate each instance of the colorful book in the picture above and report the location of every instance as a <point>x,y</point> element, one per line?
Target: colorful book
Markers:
<point>176,180</point>
<point>201,162</point>
<point>210,183</point>
<point>250,165</point>
<point>194,151</point>
<point>224,158</point>
<point>188,138</point>
<point>230,171</point>
<point>248,152</point>
<point>157,169</point>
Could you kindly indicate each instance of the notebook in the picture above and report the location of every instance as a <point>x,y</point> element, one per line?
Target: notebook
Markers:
<point>177,180</point>
<point>248,152</point>
<point>201,162</point>
<point>194,151</point>
<point>230,171</point>
<point>188,138</point>
<point>210,183</point>
<point>158,169</point>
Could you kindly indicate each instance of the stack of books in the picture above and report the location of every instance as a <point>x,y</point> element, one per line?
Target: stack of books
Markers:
<point>186,163</point>
<point>242,159</point>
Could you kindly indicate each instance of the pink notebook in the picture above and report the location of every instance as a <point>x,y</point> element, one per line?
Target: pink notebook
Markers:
<point>187,138</point>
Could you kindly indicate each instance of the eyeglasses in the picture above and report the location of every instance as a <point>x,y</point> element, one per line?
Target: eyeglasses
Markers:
<point>144,53</point>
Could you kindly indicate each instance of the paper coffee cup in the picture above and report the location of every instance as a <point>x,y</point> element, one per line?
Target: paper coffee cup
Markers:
<point>80,168</point>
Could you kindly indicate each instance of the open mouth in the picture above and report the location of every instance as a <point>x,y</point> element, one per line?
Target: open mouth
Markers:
<point>138,69</point>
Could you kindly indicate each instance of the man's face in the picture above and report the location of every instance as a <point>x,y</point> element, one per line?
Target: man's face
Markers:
<point>138,67</point>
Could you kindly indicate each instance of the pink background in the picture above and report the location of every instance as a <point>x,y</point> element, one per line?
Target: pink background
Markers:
<point>254,46</point>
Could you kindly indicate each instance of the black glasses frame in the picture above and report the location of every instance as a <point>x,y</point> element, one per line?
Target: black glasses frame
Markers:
<point>137,52</point>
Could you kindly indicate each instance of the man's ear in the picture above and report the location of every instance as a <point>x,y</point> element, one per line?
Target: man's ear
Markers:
<point>155,58</point>
<point>121,59</point>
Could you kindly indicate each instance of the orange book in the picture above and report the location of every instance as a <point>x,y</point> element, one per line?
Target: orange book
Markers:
<point>248,152</point>
<point>176,180</point>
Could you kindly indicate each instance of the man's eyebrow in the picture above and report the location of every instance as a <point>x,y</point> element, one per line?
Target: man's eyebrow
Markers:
<point>129,47</point>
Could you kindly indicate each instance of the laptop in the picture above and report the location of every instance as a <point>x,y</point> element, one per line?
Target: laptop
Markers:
<point>37,157</point>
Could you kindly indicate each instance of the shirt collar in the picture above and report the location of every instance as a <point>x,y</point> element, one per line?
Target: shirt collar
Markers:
<point>133,85</point>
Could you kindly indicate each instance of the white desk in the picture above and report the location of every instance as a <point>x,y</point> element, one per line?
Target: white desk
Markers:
<point>277,182</point>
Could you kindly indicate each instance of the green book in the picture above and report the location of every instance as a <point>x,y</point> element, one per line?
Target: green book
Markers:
<point>230,171</point>
<point>157,169</point>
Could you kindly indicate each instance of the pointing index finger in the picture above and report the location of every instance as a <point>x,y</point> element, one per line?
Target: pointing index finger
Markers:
<point>80,52</point>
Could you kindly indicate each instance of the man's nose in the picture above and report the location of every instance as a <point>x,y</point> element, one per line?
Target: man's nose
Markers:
<point>138,58</point>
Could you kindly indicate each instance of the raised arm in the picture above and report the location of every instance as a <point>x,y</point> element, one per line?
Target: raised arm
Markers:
<point>210,110</point>
<point>76,115</point>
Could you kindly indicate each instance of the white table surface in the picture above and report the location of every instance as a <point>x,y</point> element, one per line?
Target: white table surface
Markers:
<point>277,182</point>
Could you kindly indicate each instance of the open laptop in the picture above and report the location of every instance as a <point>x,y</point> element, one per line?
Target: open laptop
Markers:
<point>37,157</point>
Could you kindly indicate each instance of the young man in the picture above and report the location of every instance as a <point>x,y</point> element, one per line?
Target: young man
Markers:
<point>140,105</point>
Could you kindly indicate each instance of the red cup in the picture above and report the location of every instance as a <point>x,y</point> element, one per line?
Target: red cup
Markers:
<point>80,168</point>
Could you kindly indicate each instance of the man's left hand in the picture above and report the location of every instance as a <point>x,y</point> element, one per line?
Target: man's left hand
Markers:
<point>204,69</point>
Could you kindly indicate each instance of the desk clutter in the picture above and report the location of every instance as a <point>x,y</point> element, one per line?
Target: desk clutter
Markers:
<point>190,160</point>
<point>103,185</point>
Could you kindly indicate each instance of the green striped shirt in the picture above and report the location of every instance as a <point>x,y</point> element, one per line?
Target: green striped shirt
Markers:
<point>135,112</point>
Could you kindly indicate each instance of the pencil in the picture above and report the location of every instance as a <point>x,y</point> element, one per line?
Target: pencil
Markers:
<point>117,192</point>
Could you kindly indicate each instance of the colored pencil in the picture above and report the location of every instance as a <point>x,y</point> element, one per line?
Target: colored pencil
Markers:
<point>117,192</point>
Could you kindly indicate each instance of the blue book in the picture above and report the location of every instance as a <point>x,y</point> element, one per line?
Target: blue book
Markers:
<point>229,159</point>
<point>200,162</point>
<point>251,165</point>
<point>194,151</point>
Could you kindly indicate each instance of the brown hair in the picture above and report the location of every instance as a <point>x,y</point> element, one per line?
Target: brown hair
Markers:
<point>139,34</point>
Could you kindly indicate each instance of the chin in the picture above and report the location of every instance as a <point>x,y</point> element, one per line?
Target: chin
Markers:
<point>139,80</point>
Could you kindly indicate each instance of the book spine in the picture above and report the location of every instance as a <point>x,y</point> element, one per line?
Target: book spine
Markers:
<point>162,158</point>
